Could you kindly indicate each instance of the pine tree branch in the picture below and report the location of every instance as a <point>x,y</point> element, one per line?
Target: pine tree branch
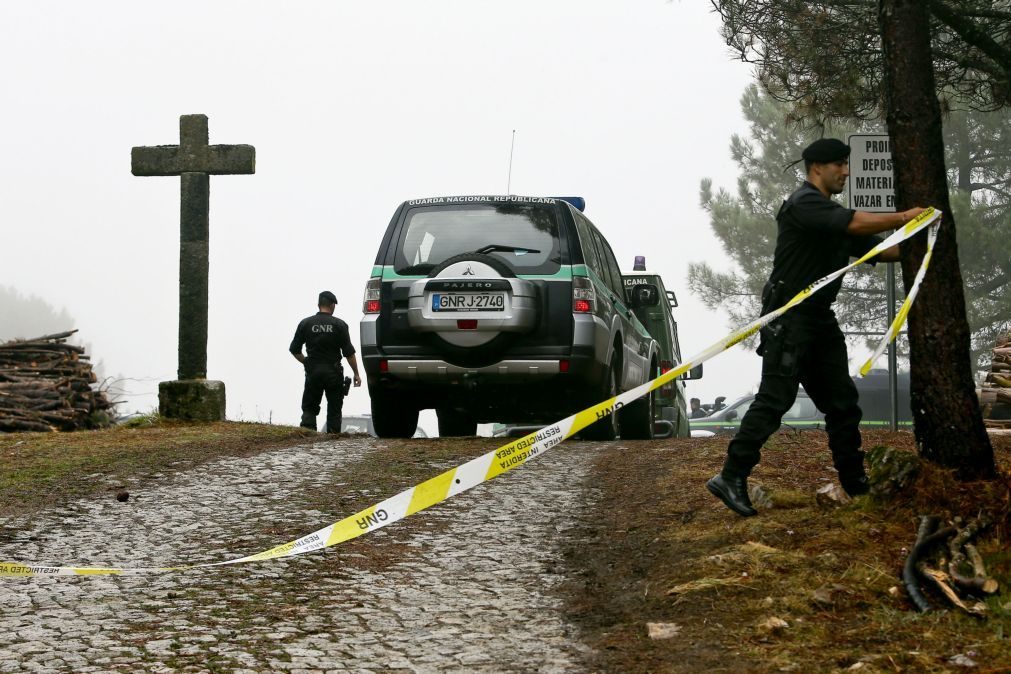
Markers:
<point>976,37</point>
<point>987,14</point>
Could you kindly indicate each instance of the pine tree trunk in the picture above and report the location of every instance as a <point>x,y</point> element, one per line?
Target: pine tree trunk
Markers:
<point>946,413</point>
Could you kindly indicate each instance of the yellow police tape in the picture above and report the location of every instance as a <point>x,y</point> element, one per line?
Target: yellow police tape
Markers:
<point>501,460</point>
<point>903,313</point>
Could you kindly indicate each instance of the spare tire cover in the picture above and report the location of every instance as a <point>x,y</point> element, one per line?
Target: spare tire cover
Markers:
<point>479,346</point>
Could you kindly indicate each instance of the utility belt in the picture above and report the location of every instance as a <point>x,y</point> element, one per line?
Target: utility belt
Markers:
<point>773,297</point>
<point>784,340</point>
<point>337,368</point>
<point>316,363</point>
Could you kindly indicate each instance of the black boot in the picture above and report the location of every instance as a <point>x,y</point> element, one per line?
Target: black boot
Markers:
<point>733,491</point>
<point>852,475</point>
<point>855,484</point>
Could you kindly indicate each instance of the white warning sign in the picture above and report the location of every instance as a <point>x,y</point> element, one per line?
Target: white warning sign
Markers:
<point>871,184</point>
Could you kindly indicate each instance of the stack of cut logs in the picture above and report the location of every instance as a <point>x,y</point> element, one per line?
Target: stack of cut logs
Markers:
<point>46,385</point>
<point>995,394</point>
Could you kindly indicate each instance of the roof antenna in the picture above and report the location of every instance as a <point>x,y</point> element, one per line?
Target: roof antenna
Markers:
<point>509,180</point>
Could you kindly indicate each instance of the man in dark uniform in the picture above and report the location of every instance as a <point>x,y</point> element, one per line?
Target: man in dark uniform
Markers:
<point>805,346</point>
<point>325,338</point>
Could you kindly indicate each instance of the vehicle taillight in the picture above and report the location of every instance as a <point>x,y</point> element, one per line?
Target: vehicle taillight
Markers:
<point>370,303</point>
<point>666,389</point>
<point>583,296</point>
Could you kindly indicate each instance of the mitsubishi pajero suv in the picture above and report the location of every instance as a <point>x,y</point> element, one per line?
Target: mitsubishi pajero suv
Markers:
<point>501,309</point>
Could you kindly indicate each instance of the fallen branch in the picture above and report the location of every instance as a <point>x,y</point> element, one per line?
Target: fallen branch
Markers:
<point>943,583</point>
<point>978,582</point>
<point>988,585</point>
<point>925,537</point>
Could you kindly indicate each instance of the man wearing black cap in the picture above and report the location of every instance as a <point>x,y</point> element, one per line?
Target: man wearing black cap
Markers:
<point>805,346</point>
<point>325,338</point>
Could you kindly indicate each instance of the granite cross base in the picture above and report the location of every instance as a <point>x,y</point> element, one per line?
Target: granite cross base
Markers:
<point>192,400</point>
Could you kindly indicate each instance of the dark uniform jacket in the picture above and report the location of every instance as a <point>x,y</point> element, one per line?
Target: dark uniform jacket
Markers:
<point>813,243</point>
<point>326,340</point>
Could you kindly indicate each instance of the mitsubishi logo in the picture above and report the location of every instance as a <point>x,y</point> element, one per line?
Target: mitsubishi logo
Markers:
<point>468,272</point>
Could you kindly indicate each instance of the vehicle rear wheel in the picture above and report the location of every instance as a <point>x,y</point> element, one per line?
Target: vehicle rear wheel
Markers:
<point>606,428</point>
<point>637,418</point>
<point>393,417</point>
<point>454,423</point>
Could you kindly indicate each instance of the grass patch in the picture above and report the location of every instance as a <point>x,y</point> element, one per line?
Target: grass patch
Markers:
<point>802,587</point>
<point>48,469</point>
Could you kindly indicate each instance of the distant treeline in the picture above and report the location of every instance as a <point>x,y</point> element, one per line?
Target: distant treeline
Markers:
<point>26,317</point>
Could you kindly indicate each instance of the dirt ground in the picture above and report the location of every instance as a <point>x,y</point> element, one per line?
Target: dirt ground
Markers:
<point>801,587</point>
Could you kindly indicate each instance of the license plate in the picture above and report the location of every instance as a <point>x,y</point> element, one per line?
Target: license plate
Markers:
<point>468,302</point>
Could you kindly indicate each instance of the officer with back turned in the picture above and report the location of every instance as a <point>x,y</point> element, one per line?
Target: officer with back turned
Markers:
<point>325,338</point>
<point>805,346</point>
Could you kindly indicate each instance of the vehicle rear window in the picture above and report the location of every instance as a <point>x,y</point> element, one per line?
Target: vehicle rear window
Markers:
<point>432,235</point>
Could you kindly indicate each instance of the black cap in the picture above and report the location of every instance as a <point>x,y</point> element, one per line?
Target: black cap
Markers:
<point>826,150</point>
<point>327,298</point>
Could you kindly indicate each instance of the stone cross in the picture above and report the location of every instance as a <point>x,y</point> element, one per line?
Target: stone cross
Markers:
<point>193,160</point>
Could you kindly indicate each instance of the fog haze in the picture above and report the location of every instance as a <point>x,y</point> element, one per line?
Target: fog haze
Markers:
<point>352,108</point>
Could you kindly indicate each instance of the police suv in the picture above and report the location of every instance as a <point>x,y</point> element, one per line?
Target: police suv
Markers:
<point>670,409</point>
<point>502,309</point>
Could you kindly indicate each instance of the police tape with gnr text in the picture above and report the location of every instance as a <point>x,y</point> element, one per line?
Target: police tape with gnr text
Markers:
<point>492,464</point>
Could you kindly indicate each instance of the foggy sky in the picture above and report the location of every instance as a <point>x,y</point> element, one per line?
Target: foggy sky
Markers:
<point>352,108</point>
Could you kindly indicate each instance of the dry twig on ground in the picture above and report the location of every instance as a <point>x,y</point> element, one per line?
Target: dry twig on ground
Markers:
<point>947,575</point>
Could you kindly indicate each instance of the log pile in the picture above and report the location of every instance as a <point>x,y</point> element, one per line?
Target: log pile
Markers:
<point>947,561</point>
<point>46,385</point>
<point>995,394</point>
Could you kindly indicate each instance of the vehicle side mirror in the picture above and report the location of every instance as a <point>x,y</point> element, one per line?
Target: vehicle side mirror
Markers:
<point>694,373</point>
<point>643,295</point>
<point>731,415</point>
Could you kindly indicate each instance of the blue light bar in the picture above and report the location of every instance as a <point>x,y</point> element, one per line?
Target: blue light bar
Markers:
<point>579,203</point>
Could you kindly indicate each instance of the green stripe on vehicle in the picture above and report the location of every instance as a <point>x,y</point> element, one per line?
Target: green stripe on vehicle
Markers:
<point>388,273</point>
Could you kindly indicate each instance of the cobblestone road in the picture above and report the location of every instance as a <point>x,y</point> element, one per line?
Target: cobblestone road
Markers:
<point>469,586</point>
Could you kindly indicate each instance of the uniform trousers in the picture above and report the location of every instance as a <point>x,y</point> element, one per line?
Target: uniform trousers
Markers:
<point>808,350</point>
<point>323,378</point>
